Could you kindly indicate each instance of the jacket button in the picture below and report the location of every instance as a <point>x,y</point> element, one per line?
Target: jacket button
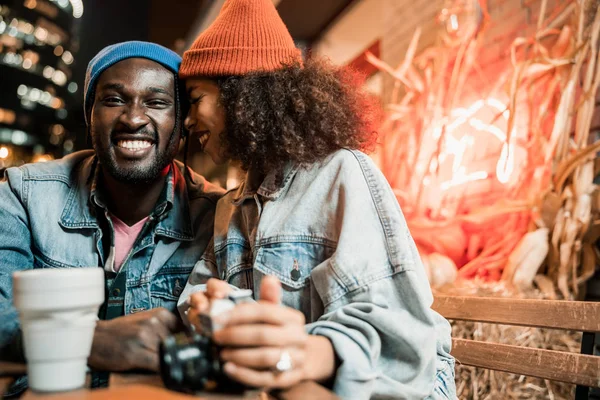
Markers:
<point>296,274</point>
<point>177,289</point>
<point>116,292</point>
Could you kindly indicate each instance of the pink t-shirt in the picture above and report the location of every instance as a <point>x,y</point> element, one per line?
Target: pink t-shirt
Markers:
<point>125,237</point>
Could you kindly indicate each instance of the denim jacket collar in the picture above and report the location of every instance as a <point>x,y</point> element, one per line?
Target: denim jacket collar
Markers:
<point>173,209</point>
<point>272,186</point>
<point>79,212</point>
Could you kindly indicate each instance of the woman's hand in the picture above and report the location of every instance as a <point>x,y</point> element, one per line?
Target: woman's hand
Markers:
<point>266,345</point>
<point>255,337</point>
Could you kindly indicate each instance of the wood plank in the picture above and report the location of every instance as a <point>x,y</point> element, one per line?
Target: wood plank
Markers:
<point>557,314</point>
<point>561,366</point>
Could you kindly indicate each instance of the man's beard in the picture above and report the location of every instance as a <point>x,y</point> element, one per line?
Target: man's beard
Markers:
<point>136,173</point>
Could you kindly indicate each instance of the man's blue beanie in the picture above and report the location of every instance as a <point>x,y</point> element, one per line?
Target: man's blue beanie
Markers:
<point>112,54</point>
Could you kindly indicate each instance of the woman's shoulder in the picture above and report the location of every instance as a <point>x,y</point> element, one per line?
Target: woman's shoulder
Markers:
<point>348,166</point>
<point>346,156</point>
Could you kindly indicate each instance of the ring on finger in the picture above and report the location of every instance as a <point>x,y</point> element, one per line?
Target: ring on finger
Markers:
<point>285,362</point>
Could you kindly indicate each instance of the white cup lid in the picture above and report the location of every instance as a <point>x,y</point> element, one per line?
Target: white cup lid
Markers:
<point>57,279</point>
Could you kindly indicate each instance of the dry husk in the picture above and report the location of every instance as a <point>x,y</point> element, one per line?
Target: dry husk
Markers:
<point>537,215</point>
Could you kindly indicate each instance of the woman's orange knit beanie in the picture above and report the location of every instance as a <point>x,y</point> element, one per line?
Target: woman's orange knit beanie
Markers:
<point>247,36</point>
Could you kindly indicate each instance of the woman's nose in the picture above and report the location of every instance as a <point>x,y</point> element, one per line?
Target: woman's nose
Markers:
<point>188,122</point>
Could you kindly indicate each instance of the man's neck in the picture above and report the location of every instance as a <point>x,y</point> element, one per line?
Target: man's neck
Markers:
<point>132,202</point>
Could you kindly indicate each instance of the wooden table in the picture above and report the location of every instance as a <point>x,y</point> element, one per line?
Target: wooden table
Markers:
<point>150,387</point>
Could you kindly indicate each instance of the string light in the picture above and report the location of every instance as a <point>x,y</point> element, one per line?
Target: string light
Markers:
<point>68,145</point>
<point>7,116</point>
<point>30,95</point>
<point>67,57</point>
<point>19,137</point>
<point>42,158</point>
<point>16,137</point>
<point>77,8</point>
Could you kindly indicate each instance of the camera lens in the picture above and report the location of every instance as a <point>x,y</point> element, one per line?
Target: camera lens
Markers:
<point>188,363</point>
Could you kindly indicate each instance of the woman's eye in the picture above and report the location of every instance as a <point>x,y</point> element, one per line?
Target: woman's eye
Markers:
<point>196,99</point>
<point>113,100</point>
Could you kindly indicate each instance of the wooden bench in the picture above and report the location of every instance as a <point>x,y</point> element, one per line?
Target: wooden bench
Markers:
<point>580,369</point>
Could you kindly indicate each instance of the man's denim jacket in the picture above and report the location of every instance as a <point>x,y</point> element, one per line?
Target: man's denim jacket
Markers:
<point>358,276</point>
<point>52,217</point>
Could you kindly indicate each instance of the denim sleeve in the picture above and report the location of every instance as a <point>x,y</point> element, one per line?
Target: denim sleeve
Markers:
<point>375,295</point>
<point>204,269</point>
<point>384,341</point>
<point>15,250</point>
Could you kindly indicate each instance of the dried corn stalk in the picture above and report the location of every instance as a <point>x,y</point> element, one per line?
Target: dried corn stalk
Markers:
<point>478,166</point>
<point>572,256</point>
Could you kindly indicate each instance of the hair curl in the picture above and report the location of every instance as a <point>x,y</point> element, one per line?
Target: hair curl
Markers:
<point>299,114</point>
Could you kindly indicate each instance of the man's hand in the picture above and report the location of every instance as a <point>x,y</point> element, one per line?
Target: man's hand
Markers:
<point>200,301</point>
<point>132,341</point>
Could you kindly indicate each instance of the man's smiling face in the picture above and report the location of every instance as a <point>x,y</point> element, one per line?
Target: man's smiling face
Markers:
<point>133,120</point>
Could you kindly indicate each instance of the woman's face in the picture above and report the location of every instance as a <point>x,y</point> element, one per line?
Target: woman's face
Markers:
<point>206,119</point>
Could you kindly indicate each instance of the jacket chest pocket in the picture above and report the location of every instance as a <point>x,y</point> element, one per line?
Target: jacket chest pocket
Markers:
<point>292,263</point>
<point>234,263</point>
<point>43,261</point>
<point>54,248</point>
<point>167,286</point>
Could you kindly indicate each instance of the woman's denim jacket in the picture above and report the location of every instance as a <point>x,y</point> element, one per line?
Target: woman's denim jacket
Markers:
<point>52,217</point>
<point>358,276</point>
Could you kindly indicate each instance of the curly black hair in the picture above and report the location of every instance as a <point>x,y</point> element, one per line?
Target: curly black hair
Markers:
<point>298,113</point>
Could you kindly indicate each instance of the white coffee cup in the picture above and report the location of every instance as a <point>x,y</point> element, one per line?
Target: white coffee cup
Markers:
<point>58,309</point>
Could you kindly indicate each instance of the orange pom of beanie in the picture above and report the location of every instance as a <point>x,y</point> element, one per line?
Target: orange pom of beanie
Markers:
<point>247,36</point>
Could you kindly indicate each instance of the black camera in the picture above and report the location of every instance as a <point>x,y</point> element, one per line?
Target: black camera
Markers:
<point>190,362</point>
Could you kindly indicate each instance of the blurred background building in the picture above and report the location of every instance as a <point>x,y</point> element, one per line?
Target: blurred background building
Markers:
<point>39,41</point>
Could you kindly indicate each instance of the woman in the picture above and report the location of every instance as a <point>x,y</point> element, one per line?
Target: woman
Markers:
<point>315,213</point>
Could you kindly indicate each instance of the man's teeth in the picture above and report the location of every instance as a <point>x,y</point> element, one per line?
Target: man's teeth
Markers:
<point>134,144</point>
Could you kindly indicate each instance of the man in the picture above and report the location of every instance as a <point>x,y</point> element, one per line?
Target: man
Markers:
<point>126,207</point>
